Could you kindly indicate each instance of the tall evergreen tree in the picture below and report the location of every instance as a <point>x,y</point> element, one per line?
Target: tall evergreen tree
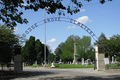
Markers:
<point>58,51</point>
<point>28,50</point>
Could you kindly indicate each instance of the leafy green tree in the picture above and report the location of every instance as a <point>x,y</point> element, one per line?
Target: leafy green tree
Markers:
<point>111,46</point>
<point>11,10</point>
<point>68,48</point>
<point>52,57</point>
<point>58,51</point>
<point>84,45</point>
<point>118,58</point>
<point>90,54</point>
<point>21,40</point>
<point>7,41</point>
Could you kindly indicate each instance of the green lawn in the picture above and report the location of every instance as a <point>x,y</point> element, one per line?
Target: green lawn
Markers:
<point>67,66</point>
<point>73,66</point>
<point>113,65</point>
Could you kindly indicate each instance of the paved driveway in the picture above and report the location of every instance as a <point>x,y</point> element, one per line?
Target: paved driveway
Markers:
<point>67,74</point>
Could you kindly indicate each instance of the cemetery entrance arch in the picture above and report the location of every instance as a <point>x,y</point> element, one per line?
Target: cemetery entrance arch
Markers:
<point>63,19</point>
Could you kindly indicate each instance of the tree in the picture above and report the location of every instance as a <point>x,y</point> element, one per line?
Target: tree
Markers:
<point>28,51</point>
<point>101,40</point>
<point>21,40</point>
<point>84,46</point>
<point>58,50</point>
<point>7,42</point>
<point>90,54</point>
<point>68,48</point>
<point>34,50</point>
<point>38,49</point>
<point>111,46</point>
<point>11,9</point>
<point>52,57</point>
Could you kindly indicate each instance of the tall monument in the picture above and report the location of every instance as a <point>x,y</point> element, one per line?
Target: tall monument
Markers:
<point>75,53</point>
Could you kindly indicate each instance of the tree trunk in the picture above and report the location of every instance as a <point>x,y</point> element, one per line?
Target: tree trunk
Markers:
<point>109,58</point>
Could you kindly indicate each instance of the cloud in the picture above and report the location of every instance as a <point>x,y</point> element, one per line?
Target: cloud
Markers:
<point>70,27</point>
<point>49,44</point>
<point>52,40</point>
<point>24,4</point>
<point>82,10</point>
<point>15,29</point>
<point>53,49</point>
<point>83,19</point>
<point>108,37</point>
<point>42,42</point>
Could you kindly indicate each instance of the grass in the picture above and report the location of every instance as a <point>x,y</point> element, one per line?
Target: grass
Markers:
<point>113,65</point>
<point>66,66</point>
<point>73,66</point>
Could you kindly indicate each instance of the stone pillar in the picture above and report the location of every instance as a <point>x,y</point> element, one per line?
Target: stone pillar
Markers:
<point>75,53</point>
<point>83,61</point>
<point>113,60</point>
<point>18,60</point>
<point>100,57</point>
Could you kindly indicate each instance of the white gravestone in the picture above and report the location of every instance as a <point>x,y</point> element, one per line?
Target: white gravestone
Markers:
<point>83,61</point>
<point>88,62</point>
<point>52,65</point>
<point>35,63</point>
<point>113,60</point>
<point>23,64</point>
<point>60,62</point>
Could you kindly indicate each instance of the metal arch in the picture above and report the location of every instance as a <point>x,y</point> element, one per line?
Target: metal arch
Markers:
<point>52,19</point>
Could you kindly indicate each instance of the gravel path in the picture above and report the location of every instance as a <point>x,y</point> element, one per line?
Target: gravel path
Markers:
<point>65,74</point>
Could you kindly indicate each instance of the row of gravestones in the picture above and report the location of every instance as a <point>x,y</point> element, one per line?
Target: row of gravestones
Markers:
<point>88,62</point>
<point>84,62</point>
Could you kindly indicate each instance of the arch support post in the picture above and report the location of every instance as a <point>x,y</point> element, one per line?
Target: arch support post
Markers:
<point>99,56</point>
<point>18,67</point>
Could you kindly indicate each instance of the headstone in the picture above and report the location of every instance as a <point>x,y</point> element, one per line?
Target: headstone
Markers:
<point>75,54</point>
<point>35,64</point>
<point>88,62</point>
<point>70,62</point>
<point>11,63</point>
<point>60,61</point>
<point>23,64</point>
<point>83,61</point>
<point>113,60</point>
<point>52,65</point>
<point>106,60</point>
<point>100,64</point>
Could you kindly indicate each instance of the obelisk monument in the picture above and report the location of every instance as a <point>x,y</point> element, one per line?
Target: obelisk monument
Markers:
<point>75,53</point>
